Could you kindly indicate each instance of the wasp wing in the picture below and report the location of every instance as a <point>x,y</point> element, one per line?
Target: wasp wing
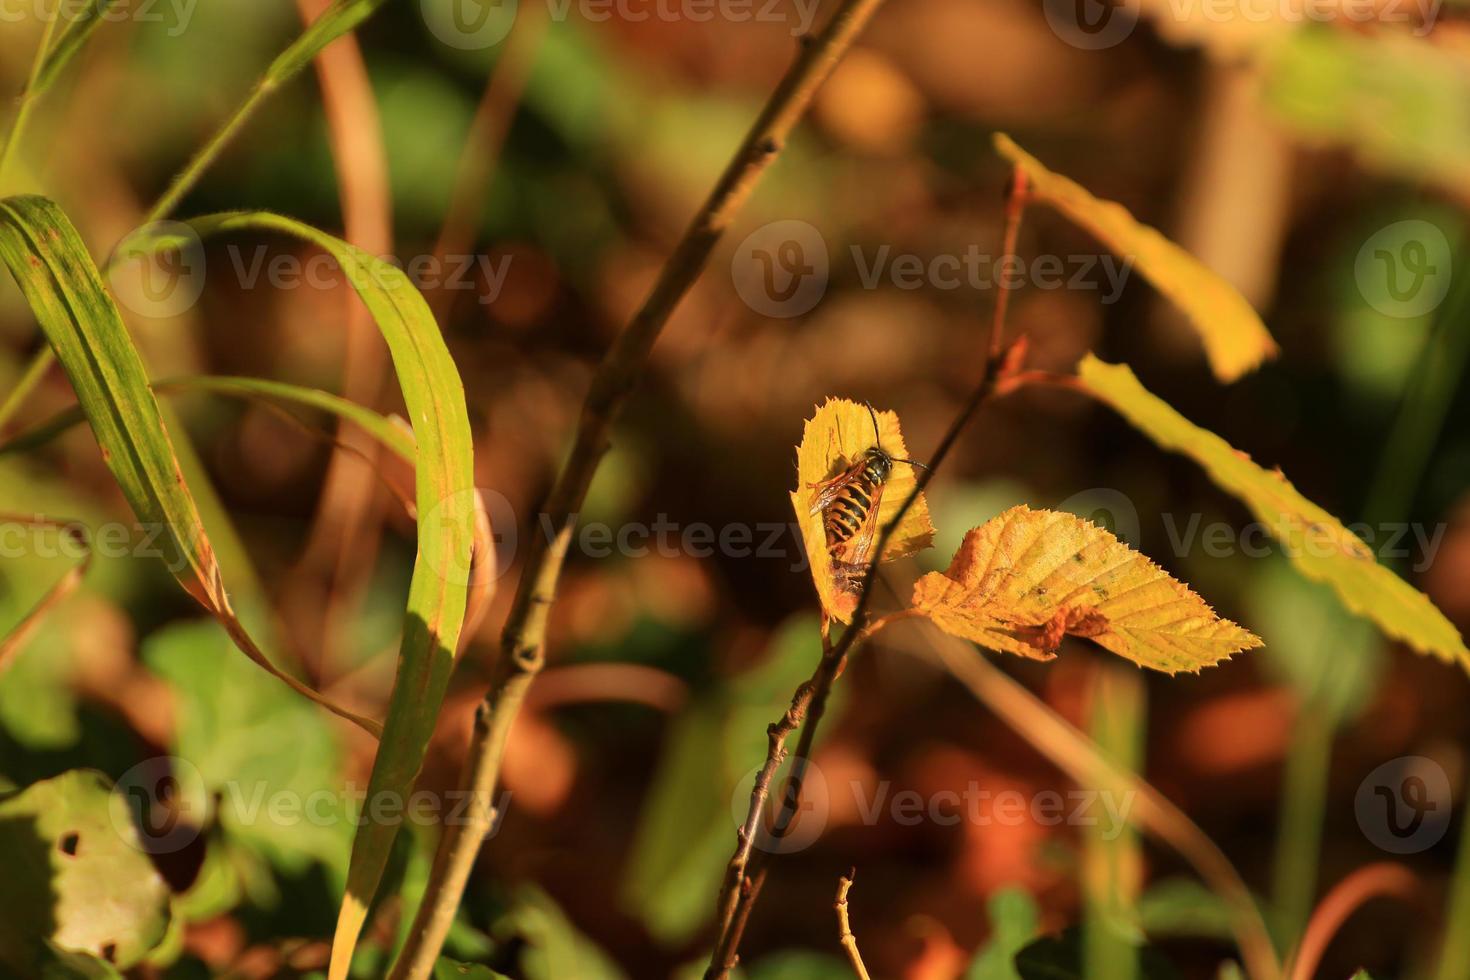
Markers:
<point>828,491</point>
<point>852,559</point>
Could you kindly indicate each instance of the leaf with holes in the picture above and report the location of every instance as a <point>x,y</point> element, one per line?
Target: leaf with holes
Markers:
<point>1235,339</point>
<point>1024,580</point>
<point>1315,541</point>
<point>76,877</point>
<point>836,439</point>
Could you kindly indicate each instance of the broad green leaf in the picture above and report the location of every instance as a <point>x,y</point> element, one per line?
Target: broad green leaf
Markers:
<point>447,969</point>
<point>1315,541</point>
<point>437,598</point>
<point>1235,339</point>
<point>1060,958</point>
<point>82,323</point>
<point>1013,923</point>
<point>1394,99</point>
<point>251,742</point>
<point>799,964</point>
<point>1182,907</point>
<point>555,948</point>
<point>1332,658</point>
<point>1024,580</point>
<point>686,827</point>
<point>76,876</point>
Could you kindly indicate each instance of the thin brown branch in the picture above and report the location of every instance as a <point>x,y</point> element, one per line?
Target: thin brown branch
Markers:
<point>999,364</point>
<point>844,927</point>
<point>523,639</point>
<point>1015,207</point>
<point>1386,879</point>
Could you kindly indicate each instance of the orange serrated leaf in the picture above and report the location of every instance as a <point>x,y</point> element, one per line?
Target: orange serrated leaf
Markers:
<point>835,438</point>
<point>1022,581</point>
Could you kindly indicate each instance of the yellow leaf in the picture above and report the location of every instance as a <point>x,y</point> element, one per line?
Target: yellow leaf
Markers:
<point>1315,541</point>
<point>1023,580</point>
<point>1235,339</point>
<point>835,438</point>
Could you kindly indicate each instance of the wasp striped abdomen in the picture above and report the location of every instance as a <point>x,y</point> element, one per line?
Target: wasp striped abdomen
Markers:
<point>848,512</point>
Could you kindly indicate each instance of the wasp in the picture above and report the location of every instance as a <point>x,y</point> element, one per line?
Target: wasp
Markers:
<point>849,504</point>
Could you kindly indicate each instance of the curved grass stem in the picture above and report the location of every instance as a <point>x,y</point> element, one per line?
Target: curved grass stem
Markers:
<point>28,95</point>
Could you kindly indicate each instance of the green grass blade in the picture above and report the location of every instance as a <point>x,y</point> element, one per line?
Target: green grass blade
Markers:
<point>437,599</point>
<point>73,37</point>
<point>65,292</point>
<point>22,631</point>
<point>27,96</point>
<point>341,17</point>
<point>380,427</point>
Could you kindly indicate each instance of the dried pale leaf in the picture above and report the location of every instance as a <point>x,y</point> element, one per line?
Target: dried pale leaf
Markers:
<point>1315,541</point>
<point>1235,339</point>
<point>1023,580</point>
<point>835,438</point>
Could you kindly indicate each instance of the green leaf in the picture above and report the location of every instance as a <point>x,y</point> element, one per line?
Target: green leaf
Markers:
<point>76,876</point>
<point>1235,339</point>
<point>1060,958</point>
<point>555,948</point>
<point>1315,541</point>
<point>82,323</point>
<point>1393,99</point>
<point>1184,907</point>
<point>1331,658</point>
<point>447,969</point>
<point>380,427</point>
<point>1013,922</point>
<point>799,964</point>
<point>435,403</point>
<point>251,743</point>
<point>686,829</point>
